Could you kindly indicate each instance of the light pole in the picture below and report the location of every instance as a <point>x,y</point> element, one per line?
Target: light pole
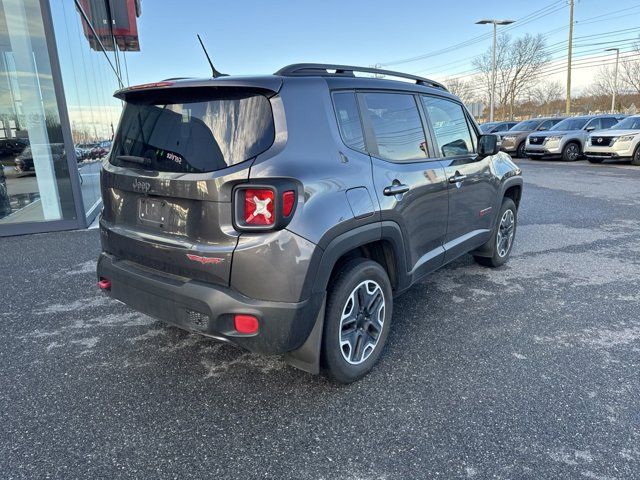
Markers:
<point>495,23</point>
<point>615,77</point>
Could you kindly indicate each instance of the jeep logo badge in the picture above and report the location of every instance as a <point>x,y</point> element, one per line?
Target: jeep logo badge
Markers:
<point>139,186</point>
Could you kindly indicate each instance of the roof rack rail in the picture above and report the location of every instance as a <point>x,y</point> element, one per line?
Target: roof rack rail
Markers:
<point>306,69</point>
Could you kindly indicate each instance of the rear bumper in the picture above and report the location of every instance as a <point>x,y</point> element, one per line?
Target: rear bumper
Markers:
<point>209,309</point>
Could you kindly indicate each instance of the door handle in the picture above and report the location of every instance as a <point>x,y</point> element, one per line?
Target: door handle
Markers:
<point>395,189</point>
<point>458,177</point>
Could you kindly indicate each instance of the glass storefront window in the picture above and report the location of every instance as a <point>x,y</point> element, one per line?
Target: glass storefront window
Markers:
<point>35,183</point>
<point>88,65</point>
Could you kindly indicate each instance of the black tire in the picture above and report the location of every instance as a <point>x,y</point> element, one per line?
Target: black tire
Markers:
<point>520,151</point>
<point>353,276</point>
<point>571,152</point>
<point>635,160</point>
<point>595,160</point>
<point>499,256</point>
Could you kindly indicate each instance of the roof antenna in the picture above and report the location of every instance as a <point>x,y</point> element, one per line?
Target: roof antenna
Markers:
<point>214,73</point>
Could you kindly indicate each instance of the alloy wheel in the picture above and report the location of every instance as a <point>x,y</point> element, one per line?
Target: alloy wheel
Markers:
<point>362,322</point>
<point>572,152</point>
<point>506,230</point>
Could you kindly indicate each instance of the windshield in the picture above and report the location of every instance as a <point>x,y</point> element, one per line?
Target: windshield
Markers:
<point>570,124</point>
<point>193,135</point>
<point>629,123</point>
<point>487,127</point>
<point>525,126</point>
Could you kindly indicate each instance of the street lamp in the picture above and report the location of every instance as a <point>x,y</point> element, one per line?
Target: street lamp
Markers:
<point>493,65</point>
<point>615,77</point>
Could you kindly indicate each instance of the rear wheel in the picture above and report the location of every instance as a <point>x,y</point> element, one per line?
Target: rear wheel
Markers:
<point>501,241</point>
<point>357,320</point>
<point>571,152</point>
<point>635,160</point>
<point>595,160</point>
<point>520,152</point>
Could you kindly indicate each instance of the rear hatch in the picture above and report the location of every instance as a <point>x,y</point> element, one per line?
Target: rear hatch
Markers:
<point>167,185</point>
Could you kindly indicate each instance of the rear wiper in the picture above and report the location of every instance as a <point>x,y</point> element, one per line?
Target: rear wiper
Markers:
<point>144,161</point>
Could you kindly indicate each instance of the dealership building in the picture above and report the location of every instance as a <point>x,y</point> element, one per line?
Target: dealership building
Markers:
<point>60,62</point>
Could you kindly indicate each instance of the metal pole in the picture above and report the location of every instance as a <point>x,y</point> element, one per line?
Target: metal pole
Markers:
<point>615,81</point>
<point>493,73</point>
<point>568,105</point>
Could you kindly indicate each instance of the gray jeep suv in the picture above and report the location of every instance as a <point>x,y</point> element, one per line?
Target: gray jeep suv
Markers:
<point>283,213</point>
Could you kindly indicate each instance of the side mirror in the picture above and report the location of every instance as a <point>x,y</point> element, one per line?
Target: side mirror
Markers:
<point>488,145</point>
<point>541,129</point>
<point>590,129</point>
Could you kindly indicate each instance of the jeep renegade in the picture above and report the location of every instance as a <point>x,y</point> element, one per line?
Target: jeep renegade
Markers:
<point>283,213</point>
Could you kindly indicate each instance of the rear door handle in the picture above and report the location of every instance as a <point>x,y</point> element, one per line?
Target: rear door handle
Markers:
<point>458,177</point>
<point>395,189</point>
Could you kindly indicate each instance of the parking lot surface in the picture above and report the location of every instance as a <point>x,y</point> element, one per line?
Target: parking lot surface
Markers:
<point>528,371</point>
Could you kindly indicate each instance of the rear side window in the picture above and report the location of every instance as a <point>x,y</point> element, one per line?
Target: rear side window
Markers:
<point>193,135</point>
<point>396,125</point>
<point>450,126</point>
<point>608,122</point>
<point>348,117</point>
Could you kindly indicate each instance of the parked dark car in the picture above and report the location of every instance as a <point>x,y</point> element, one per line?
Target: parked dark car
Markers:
<point>10,147</point>
<point>84,150</point>
<point>24,161</point>
<point>496,127</point>
<point>514,140</point>
<point>100,150</point>
<point>283,213</point>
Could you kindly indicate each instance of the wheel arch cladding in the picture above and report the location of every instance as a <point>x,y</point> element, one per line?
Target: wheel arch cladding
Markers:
<point>380,241</point>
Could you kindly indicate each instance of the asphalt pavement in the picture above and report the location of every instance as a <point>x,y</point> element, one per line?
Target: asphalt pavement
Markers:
<point>527,371</point>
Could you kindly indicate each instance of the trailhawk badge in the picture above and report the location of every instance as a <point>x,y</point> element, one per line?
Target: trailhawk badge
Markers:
<point>205,260</point>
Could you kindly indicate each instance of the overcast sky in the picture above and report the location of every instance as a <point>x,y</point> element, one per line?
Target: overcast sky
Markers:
<point>260,36</point>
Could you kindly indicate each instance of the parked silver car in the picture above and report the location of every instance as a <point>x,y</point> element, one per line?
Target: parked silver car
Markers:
<point>566,139</point>
<point>621,142</point>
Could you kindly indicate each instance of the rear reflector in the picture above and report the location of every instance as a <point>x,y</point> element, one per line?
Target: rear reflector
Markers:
<point>288,201</point>
<point>245,324</point>
<point>104,284</point>
<point>259,206</point>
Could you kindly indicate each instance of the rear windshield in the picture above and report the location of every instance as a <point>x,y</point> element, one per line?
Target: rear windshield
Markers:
<point>193,135</point>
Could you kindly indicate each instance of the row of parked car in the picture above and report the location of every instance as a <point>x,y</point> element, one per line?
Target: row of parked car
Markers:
<point>594,137</point>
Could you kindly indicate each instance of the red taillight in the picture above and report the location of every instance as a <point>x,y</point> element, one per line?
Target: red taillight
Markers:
<point>288,201</point>
<point>259,206</point>
<point>246,324</point>
<point>150,85</point>
<point>104,284</point>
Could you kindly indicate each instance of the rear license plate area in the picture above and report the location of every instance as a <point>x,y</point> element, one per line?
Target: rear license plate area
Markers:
<point>153,212</point>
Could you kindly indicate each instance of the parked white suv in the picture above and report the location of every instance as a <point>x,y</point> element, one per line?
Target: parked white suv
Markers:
<point>620,142</point>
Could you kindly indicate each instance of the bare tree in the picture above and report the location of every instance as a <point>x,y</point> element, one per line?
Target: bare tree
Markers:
<point>630,71</point>
<point>543,95</point>
<point>484,64</point>
<point>603,82</point>
<point>518,67</point>
<point>460,88</point>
